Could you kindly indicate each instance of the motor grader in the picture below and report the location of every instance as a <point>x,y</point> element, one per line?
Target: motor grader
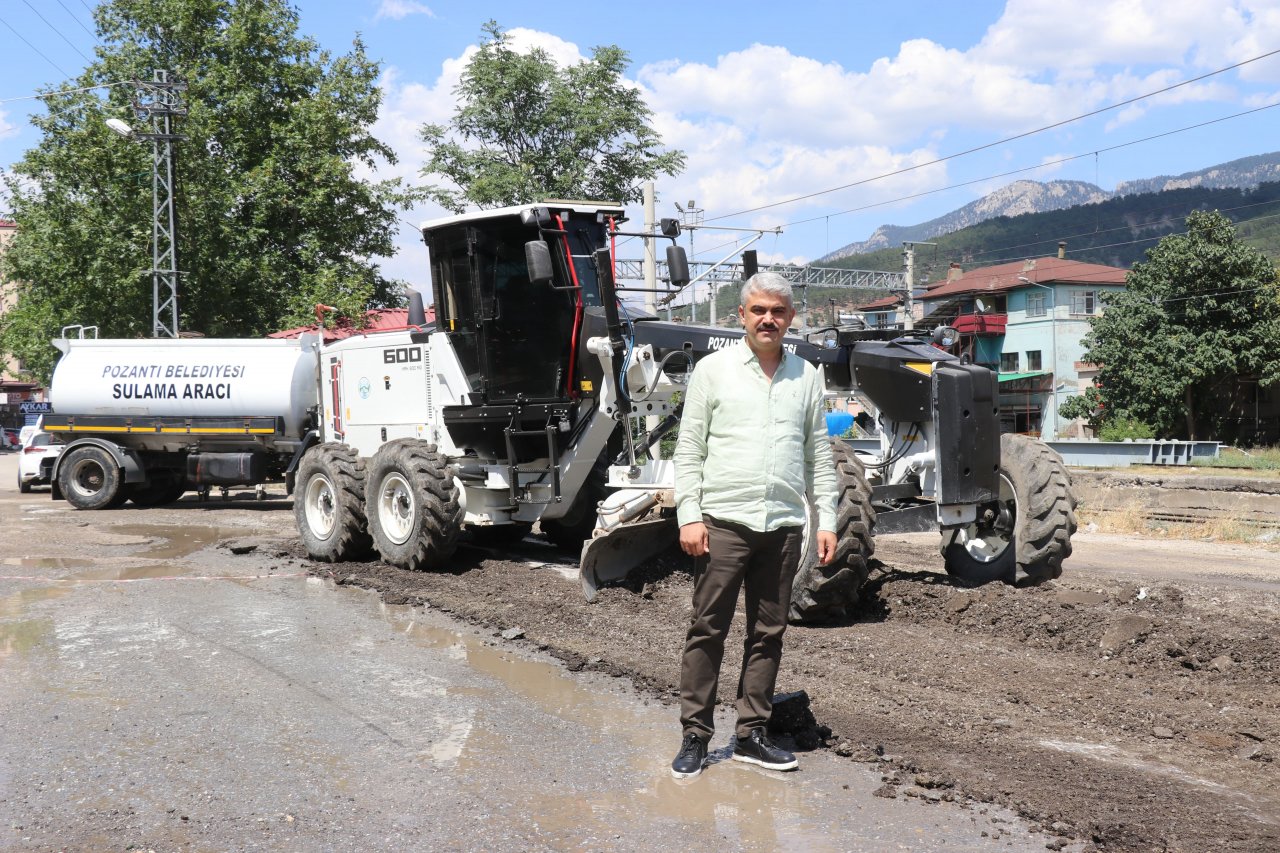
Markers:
<point>537,397</point>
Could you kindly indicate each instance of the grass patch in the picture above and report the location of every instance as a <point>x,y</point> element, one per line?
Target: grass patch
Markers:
<point>1135,520</point>
<point>1253,459</point>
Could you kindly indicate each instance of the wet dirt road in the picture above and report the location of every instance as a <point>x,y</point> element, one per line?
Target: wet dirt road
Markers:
<point>162,691</point>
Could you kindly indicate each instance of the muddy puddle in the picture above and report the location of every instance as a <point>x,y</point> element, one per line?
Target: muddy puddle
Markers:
<point>744,806</point>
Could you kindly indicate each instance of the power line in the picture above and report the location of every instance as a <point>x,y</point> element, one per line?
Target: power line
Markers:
<point>33,47</point>
<point>56,30</point>
<point>139,84</point>
<point>1057,162</point>
<point>77,20</point>
<point>1007,139</point>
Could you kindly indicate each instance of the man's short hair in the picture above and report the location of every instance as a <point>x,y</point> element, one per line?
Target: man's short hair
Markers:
<point>766,282</point>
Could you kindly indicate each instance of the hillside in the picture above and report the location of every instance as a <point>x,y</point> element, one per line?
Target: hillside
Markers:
<point>1027,197</point>
<point>1117,231</point>
<point>1017,198</point>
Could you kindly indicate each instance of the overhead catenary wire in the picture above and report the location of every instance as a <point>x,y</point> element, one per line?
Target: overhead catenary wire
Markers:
<point>997,142</point>
<point>77,20</point>
<point>59,32</point>
<point>33,47</point>
<point>42,95</point>
<point>1044,165</point>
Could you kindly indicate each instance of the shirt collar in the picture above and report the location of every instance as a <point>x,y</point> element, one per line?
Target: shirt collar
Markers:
<point>749,355</point>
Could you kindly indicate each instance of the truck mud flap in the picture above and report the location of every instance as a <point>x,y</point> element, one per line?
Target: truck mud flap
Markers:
<point>611,556</point>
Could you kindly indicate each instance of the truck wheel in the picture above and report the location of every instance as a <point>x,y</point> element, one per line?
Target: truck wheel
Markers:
<point>821,593</point>
<point>328,504</point>
<point>89,479</point>
<point>414,505</point>
<point>157,493</point>
<point>1026,535</point>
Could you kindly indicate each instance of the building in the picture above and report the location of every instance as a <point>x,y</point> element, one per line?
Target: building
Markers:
<point>13,390</point>
<point>375,320</point>
<point>1027,320</point>
<point>883,313</point>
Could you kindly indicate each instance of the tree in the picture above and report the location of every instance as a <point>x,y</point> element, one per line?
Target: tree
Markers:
<point>527,130</point>
<point>273,216</point>
<point>1201,313</point>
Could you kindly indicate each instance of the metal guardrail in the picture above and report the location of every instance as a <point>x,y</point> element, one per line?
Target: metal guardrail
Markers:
<point>1086,453</point>
<point>1081,453</point>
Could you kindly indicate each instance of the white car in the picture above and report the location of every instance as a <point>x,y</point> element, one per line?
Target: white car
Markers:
<point>35,462</point>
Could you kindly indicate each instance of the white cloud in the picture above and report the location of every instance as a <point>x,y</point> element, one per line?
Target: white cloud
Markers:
<point>7,129</point>
<point>763,123</point>
<point>399,9</point>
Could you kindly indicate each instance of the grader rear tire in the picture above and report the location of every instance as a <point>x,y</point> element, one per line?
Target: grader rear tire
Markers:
<point>1025,539</point>
<point>328,504</point>
<point>413,504</point>
<point>823,593</point>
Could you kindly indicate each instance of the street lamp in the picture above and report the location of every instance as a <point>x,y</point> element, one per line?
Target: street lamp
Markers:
<point>120,127</point>
<point>1053,331</point>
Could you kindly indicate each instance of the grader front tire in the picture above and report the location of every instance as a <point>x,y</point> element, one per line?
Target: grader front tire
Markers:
<point>823,593</point>
<point>414,505</point>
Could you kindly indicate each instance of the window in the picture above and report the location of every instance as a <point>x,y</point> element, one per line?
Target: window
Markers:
<point>1084,301</point>
<point>1033,359</point>
<point>1008,362</point>
<point>1035,305</point>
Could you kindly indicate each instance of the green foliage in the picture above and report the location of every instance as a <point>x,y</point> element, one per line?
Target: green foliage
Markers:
<point>526,130</point>
<point>1086,406</point>
<point>1201,312</point>
<point>1119,429</point>
<point>272,215</point>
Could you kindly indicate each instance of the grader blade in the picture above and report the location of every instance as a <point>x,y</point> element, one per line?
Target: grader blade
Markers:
<point>611,556</point>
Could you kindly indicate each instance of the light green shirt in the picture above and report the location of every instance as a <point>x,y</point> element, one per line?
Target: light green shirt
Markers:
<point>749,449</point>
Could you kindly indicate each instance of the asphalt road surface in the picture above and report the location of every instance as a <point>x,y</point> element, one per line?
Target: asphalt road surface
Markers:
<point>161,692</point>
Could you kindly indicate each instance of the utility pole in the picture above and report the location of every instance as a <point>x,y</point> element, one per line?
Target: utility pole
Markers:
<point>692,217</point>
<point>158,101</point>
<point>909,278</point>
<point>650,251</point>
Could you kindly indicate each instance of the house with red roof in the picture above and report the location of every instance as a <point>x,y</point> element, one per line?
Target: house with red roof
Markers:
<point>376,320</point>
<point>1026,320</point>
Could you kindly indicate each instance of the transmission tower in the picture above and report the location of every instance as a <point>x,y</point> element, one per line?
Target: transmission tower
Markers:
<point>159,103</point>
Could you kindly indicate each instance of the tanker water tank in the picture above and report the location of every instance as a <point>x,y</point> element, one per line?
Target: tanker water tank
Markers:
<point>187,377</point>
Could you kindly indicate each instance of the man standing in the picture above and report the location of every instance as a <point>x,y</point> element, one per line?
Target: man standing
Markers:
<point>753,441</point>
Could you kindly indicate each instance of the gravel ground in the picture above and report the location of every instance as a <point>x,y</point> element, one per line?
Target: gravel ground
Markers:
<point>1130,705</point>
<point>1125,713</point>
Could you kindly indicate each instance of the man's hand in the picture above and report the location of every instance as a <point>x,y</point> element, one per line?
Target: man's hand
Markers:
<point>826,545</point>
<point>693,539</point>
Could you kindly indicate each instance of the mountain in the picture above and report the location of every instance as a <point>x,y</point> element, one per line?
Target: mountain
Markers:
<point>1245,173</point>
<point>1034,197</point>
<point>1116,232</point>
<point>1012,200</point>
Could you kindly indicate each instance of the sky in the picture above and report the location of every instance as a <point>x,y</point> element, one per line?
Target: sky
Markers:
<point>824,119</point>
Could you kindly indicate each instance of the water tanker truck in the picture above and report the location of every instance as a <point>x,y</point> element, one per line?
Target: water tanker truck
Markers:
<point>535,399</point>
<point>146,420</point>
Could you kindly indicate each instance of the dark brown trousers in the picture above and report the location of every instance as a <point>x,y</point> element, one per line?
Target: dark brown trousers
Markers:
<point>765,563</point>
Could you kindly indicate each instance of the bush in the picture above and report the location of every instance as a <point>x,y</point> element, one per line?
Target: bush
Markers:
<point>1121,428</point>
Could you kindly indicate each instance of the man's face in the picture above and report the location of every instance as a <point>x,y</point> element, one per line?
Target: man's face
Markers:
<point>766,318</point>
